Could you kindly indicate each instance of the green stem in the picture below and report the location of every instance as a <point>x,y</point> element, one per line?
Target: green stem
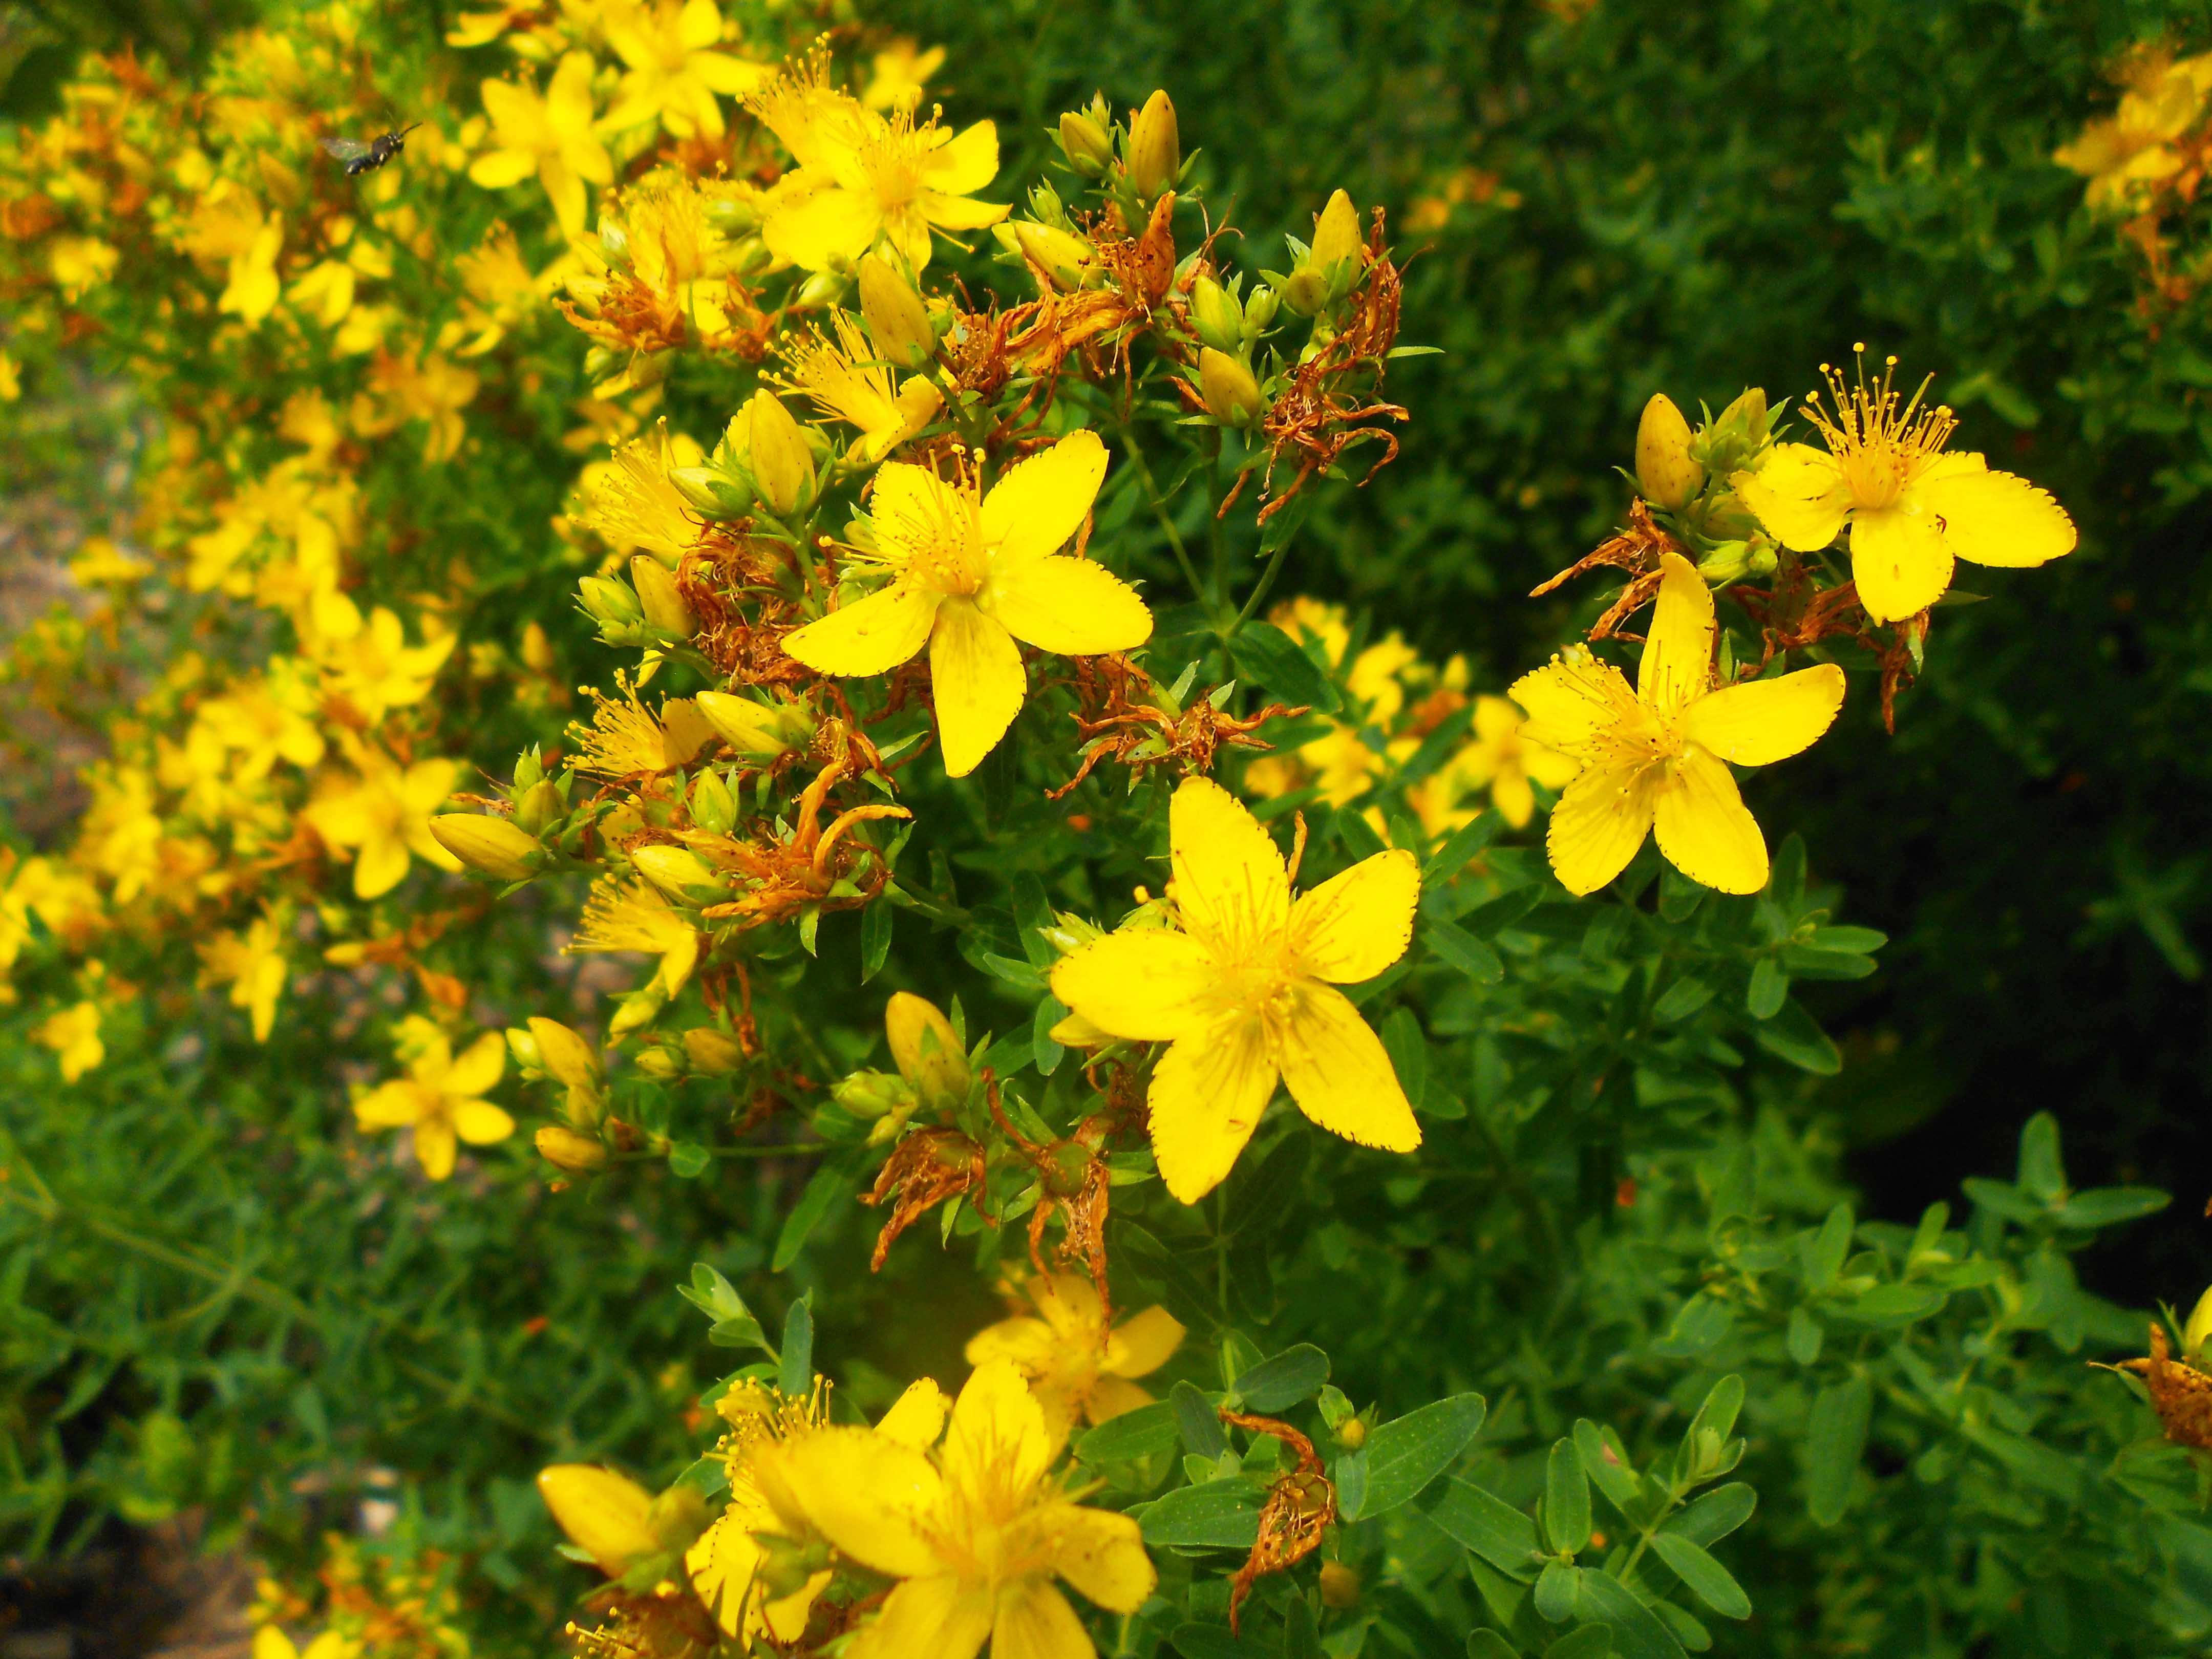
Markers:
<point>1258,591</point>
<point>1160,511</point>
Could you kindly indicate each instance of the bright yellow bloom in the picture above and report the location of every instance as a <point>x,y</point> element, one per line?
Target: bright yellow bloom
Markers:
<point>674,73</point>
<point>900,74</point>
<point>121,833</point>
<point>976,1537</point>
<point>1503,757</point>
<point>74,1035</point>
<point>1246,992</point>
<point>1078,1369</point>
<point>606,1515</point>
<point>441,1096</point>
<point>80,264</point>
<point>862,175</point>
<point>383,814</point>
<point>637,918</point>
<point>2128,152</point>
<point>1658,753</point>
<point>848,382</point>
<point>968,578</point>
<point>623,740</point>
<point>252,964</point>
<point>633,504</point>
<point>1911,508</point>
<point>369,666</point>
<point>1377,678</point>
<point>549,136</point>
<point>11,378</point>
<point>270,1642</point>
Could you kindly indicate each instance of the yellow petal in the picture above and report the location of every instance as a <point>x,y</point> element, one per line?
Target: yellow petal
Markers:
<point>872,635</point>
<point>722,1564</point>
<point>481,1123</point>
<point>1071,606</point>
<point>1099,1551</point>
<point>814,229</point>
<point>958,212</point>
<point>503,168</point>
<point>380,866</point>
<point>1207,1093</point>
<point>479,1067</point>
<point>1599,823</point>
<point>1035,1622</point>
<point>935,1617</point>
<point>998,1441</point>
<point>866,1494</point>
<point>1677,653</point>
<point>1110,1396</point>
<point>390,1105</point>
<point>435,1146</point>
<point>270,1642</point>
<point>1515,800</point>
<point>1705,831</point>
<point>1335,1068</point>
<point>1356,924</point>
<point>1143,1343</point>
<point>976,674</point>
<point>1230,885</point>
<point>1574,702</point>
<point>1763,721</point>
<point>1038,503</point>
<point>1145,984</point>
<point>966,162</point>
<point>1029,1343</point>
<point>917,1417</point>
<point>786,1616</point>
<point>1995,518</point>
<point>1899,563</point>
<point>1798,495</point>
<point>603,1513</point>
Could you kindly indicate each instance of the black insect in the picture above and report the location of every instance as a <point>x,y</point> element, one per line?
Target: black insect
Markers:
<point>360,157</point>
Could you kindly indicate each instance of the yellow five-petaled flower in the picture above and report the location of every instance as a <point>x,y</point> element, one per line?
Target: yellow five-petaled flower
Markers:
<point>1078,1367</point>
<point>441,1095</point>
<point>1658,753</point>
<point>968,578</point>
<point>1245,992</point>
<point>1913,509</point>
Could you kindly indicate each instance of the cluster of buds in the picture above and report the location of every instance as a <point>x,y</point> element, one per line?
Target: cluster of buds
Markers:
<point>934,1076</point>
<point>545,1048</point>
<point>1136,164</point>
<point>536,829</point>
<point>1230,327</point>
<point>765,461</point>
<point>1684,474</point>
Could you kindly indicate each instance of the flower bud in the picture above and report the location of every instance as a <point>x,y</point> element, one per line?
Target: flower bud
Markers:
<point>712,1051</point>
<point>1664,471</point>
<point>491,846</point>
<point>663,602</point>
<point>1337,252</point>
<point>1259,307</point>
<point>928,1053</point>
<point>676,871</point>
<point>2198,1328</point>
<point>711,491</point>
<point>562,1053</point>
<point>873,1094</point>
<point>1305,291</point>
<point>662,1065</point>
<point>1232,396</point>
<point>1340,1585</point>
<point>570,1152</point>
<point>524,1048</point>
<point>677,1517</point>
<point>1727,562</point>
<point>823,287</point>
<point>1155,153</point>
<point>639,1009</point>
<point>782,465</point>
<point>1215,316</point>
<point>1730,442</point>
<point>713,806</point>
<point>609,603</point>
<point>605,1515</point>
<point>1086,144</point>
<point>752,728</point>
<point>1060,255</point>
<point>538,805</point>
<point>897,320</point>
<point>528,765</point>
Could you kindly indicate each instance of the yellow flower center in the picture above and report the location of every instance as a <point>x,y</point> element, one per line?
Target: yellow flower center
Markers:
<point>1880,443</point>
<point>889,158</point>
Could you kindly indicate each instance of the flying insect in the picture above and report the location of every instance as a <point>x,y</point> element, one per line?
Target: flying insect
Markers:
<point>360,157</point>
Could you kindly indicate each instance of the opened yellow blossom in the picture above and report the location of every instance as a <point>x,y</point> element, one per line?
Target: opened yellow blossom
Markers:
<point>978,1537</point>
<point>547,135</point>
<point>636,917</point>
<point>2128,153</point>
<point>848,382</point>
<point>862,175</point>
<point>674,70</point>
<point>252,964</point>
<point>1912,509</point>
<point>968,578</point>
<point>369,668</point>
<point>1503,757</point>
<point>382,814</point>
<point>440,1098</point>
<point>1657,754</point>
<point>900,74</point>
<point>1245,992</point>
<point>73,1033</point>
<point>1078,1369</point>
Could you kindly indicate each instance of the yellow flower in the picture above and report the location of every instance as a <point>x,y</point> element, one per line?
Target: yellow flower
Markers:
<point>976,1537</point>
<point>121,833</point>
<point>900,74</point>
<point>1911,508</point>
<point>674,74</point>
<point>80,264</point>
<point>253,286</point>
<point>637,918</point>
<point>74,1035</point>
<point>370,666</point>
<point>1503,757</point>
<point>2130,149</point>
<point>252,964</point>
<point>623,740</point>
<point>383,813</point>
<point>632,503</point>
<point>11,378</point>
<point>1076,1367</point>
<point>1377,678</point>
<point>549,136</point>
<point>1658,753</point>
<point>1246,992</point>
<point>862,175</point>
<point>270,1642</point>
<point>441,1096</point>
<point>968,578</point>
<point>1304,619</point>
<point>848,382</point>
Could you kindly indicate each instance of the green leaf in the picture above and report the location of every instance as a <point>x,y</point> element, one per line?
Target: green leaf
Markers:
<point>1301,1634</point>
<point>1197,1422</point>
<point>1590,1641</point>
<point>687,1159</point>
<point>1462,950</point>
<point>1711,1582</point>
<point>1770,988</point>
<point>1186,1299</point>
<point>2042,1171</point>
<point>1049,1012</point>
<point>1219,1515</point>
<point>2106,1206</point>
<point>830,1183</point>
<point>1638,1632</point>
<point>1835,1436</point>
<point>1793,1036</point>
<point>1408,1049</point>
<point>1854,941</point>
<point>1716,1515</point>
<point>1680,1001</point>
<point>1264,654</point>
<point>1607,1464</point>
<point>1805,1336</point>
<point>1212,1642</point>
<point>796,1378</point>
<point>875,940</point>
<point>1487,1643</point>
<point>1403,1456</point>
<point>1502,912</point>
<point>1567,1501</point>
<point>1283,1380</point>
<point>1558,1587</point>
<point>1478,1520</point>
<point>1134,1435</point>
<point>1470,838</point>
<point>1820,1255</point>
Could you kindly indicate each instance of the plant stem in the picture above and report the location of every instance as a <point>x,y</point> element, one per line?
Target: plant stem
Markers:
<point>1160,512</point>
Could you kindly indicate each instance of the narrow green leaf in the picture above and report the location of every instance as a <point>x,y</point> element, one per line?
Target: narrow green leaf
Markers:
<point>1470,838</point>
<point>1769,989</point>
<point>1288,1378</point>
<point>1301,1631</point>
<point>1198,1423</point>
<point>1638,1632</point>
<point>1566,1500</point>
<point>1715,1515</point>
<point>1606,1464</point>
<point>1263,653</point>
<point>1408,1049</point>
<point>796,1371</point>
<point>1464,952</point>
<point>1711,1582</point>
<point>1835,1436</point>
<point>1478,1520</point>
<point>830,1183</point>
<point>875,939</point>
<point>1219,1515</point>
<point>1404,1455</point>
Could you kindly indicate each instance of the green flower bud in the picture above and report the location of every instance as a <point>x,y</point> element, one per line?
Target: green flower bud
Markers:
<point>539,806</point>
<point>711,491</point>
<point>1215,316</point>
<point>873,1094</point>
<point>1664,471</point>
<point>665,608</point>
<point>1086,144</point>
<point>1062,257</point>
<point>1305,291</point>
<point>662,1065</point>
<point>1232,396</point>
<point>610,604</point>
<point>927,1051</point>
<point>573,1153</point>
<point>677,871</point>
<point>712,1051</point>
<point>755,729</point>
<point>713,806</point>
<point>639,1009</point>
<point>529,767</point>
<point>491,846</point>
<point>1155,153</point>
<point>677,1517</point>
<point>782,464</point>
<point>1730,442</point>
<point>898,322</point>
<point>1259,307</point>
